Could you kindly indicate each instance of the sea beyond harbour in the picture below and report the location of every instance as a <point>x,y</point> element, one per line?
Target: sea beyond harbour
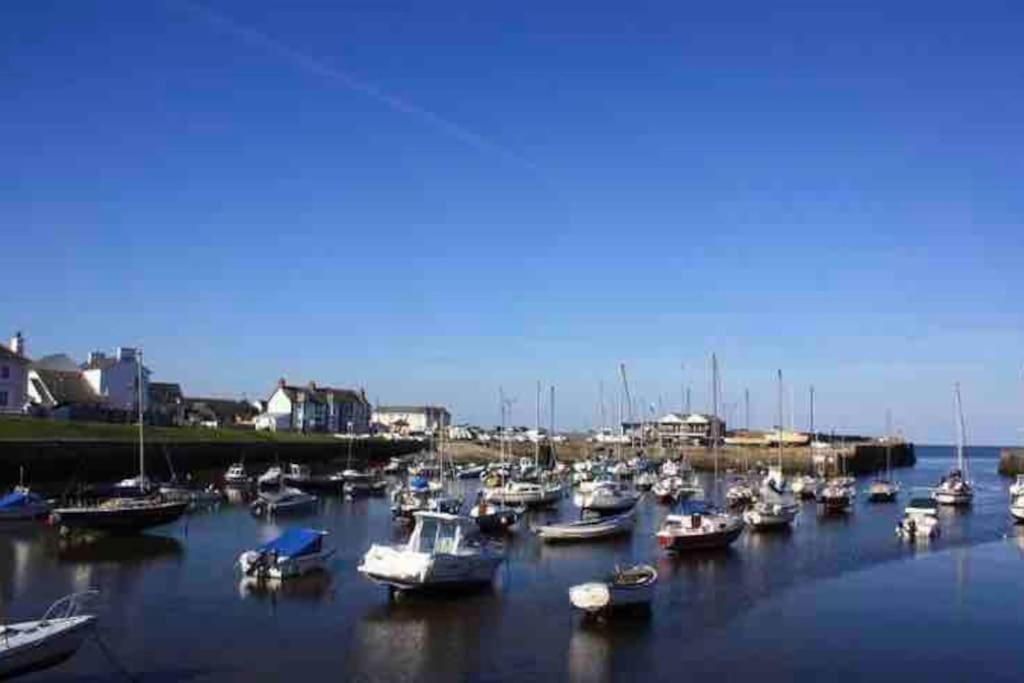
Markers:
<point>841,598</point>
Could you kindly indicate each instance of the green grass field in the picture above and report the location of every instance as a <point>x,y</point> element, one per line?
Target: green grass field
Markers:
<point>34,429</point>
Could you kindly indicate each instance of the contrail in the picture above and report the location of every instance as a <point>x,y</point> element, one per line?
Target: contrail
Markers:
<point>319,68</point>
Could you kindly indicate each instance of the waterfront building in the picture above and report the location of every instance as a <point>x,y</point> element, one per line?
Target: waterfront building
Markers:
<point>219,412</point>
<point>115,378</point>
<point>677,429</point>
<point>408,420</point>
<point>314,408</point>
<point>166,403</point>
<point>14,366</point>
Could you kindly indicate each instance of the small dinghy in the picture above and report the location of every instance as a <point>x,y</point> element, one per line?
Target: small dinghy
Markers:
<point>22,505</point>
<point>628,588</point>
<point>34,645</point>
<point>285,501</point>
<point>294,553</point>
<point>587,529</point>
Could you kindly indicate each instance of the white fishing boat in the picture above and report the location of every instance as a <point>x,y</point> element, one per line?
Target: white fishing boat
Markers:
<point>272,478</point>
<point>443,552</point>
<point>35,645</point>
<point>699,527</point>
<point>294,553</point>
<point>956,488</point>
<point>1017,487</point>
<point>21,504</point>
<point>920,521</point>
<point>286,500</point>
<point>587,529</point>
<point>627,588</point>
<point>236,475</point>
<point>609,497</point>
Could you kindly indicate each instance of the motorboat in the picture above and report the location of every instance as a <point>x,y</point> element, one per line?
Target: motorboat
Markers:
<point>699,526</point>
<point>298,475</point>
<point>528,493</point>
<point>443,552</point>
<point>21,504</point>
<point>34,645</point>
<point>836,496</point>
<point>1017,487</point>
<point>287,500</point>
<point>587,529</point>
<point>272,478</point>
<point>920,521</point>
<point>494,519</point>
<point>956,488</point>
<point>883,491</point>
<point>294,553</point>
<point>421,496</point>
<point>1017,508</point>
<point>609,497</point>
<point>627,588</point>
<point>237,475</point>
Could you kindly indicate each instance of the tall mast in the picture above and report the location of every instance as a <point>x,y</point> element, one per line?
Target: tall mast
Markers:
<point>714,412</point>
<point>813,439</point>
<point>536,450</point>
<point>746,408</point>
<point>780,420</point>
<point>888,444</point>
<point>961,465</point>
<point>600,393</point>
<point>688,408</point>
<point>551,428</point>
<point>629,400</point>
<point>142,448</point>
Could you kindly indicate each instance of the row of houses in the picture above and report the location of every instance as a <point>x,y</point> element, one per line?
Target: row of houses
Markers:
<point>106,388</point>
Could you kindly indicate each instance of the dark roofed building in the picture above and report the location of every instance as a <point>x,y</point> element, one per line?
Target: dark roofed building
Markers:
<point>314,408</point>
<point>166,403</point>
<point>218,412</point>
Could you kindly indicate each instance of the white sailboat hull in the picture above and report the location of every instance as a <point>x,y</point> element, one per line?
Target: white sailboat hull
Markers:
<point>34,645</point>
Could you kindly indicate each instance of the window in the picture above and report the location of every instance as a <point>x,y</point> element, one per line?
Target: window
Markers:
<point>5,371</point>
<point>3,397</point>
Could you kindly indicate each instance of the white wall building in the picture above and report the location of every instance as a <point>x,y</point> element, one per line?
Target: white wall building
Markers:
<point>316,409</point>
<point>412,419</point>
<point>13,376</point>
<point>115,378</point>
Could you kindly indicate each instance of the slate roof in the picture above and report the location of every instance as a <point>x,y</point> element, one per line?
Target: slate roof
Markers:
<point>8,355</point>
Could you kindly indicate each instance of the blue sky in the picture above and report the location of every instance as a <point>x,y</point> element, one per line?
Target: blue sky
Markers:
<point>433,200</point>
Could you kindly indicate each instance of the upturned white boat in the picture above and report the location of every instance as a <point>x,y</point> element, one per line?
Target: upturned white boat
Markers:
<point>22,505</point>
<point>699,527</point>
<point>286,500</point>
<point>34,645</point>
<point>526,493</point>
<point>609,497</point>
<point>587,529</point>
<point>444,551</point>
<point>627,588</point>
<point>293,553</point>
<point>920,521</point>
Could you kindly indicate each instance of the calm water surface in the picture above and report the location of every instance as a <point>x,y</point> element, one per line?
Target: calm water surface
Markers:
<point>836,596</point>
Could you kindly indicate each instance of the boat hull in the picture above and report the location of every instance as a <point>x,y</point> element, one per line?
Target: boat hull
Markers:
<point>586,531</point>
<point>716,540</point>
<point>66,636</point>
<point>408,571</point>
<point>119,520</point>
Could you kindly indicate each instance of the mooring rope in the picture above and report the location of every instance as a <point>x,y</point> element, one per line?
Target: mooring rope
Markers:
<point>115,662</point>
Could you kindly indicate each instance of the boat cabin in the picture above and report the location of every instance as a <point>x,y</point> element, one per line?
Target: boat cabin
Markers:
<point>297,471</point>
<point>439,532</point>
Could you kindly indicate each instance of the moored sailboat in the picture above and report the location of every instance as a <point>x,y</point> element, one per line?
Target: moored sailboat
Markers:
<point>956,488</point>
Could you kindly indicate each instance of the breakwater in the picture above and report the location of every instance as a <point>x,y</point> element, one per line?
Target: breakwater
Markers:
<point>73,462</point>
<point>1011,462</point>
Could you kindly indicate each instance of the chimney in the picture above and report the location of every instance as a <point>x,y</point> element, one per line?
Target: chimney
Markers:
<point>312,385</point>
<point>18,344</point>
<point>282,383</point>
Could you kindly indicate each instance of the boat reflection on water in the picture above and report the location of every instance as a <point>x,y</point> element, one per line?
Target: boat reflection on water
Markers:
<point>238,496</point>
<point>119,550</point>
<point>594,644</point>
<point>424,637</point>
<point>314,587</point>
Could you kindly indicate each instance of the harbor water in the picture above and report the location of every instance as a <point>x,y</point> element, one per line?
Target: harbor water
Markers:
<point>840,597</point>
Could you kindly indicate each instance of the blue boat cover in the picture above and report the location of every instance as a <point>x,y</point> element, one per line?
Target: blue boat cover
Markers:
<point>294,542</point>
<point>694,507</point>
<point>18,499</point>
<point>419,484</point>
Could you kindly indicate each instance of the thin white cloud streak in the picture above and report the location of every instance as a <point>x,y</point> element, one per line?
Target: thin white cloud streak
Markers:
<point>316,67</point>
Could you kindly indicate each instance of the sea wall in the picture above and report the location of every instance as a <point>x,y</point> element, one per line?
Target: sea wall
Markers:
<point>98,461</point>
<point>1011,462</point>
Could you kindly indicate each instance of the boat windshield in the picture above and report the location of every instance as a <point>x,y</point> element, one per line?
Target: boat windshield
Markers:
<point>435,536</point>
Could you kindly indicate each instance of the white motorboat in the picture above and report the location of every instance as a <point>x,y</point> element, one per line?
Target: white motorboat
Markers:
<point>444,551</point>
<point>627,588</point>
<point>609,497</point>
<point>34,645</point>
<point>22,505</point>
<point>1017,508</point>
<point>699,527</point>
<point>272,478</point>
<point>287,500</point>
<point>1017,487</point>
<point>956,488</point>
<point>587,529</point>
<point>836,496</point>
<point>528,493</point>
<point>236,475</point>
<point>806,486</point>
<point>294,553</point>
<point>920,521</point>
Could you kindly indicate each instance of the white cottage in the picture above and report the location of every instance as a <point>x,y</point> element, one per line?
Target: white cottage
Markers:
<point>13,376</point>
<point>316,409</point>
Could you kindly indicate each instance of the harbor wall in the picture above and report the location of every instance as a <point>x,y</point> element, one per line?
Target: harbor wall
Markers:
<point>1011,462</point>
<point>91,461</point>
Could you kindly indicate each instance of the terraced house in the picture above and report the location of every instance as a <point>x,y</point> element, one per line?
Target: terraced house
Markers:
<point>313,408</point>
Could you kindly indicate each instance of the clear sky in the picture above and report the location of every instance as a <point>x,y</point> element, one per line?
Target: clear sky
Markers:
<point>433,200</point>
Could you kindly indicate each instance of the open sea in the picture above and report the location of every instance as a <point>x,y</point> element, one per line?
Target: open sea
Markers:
<point>836,598</point>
